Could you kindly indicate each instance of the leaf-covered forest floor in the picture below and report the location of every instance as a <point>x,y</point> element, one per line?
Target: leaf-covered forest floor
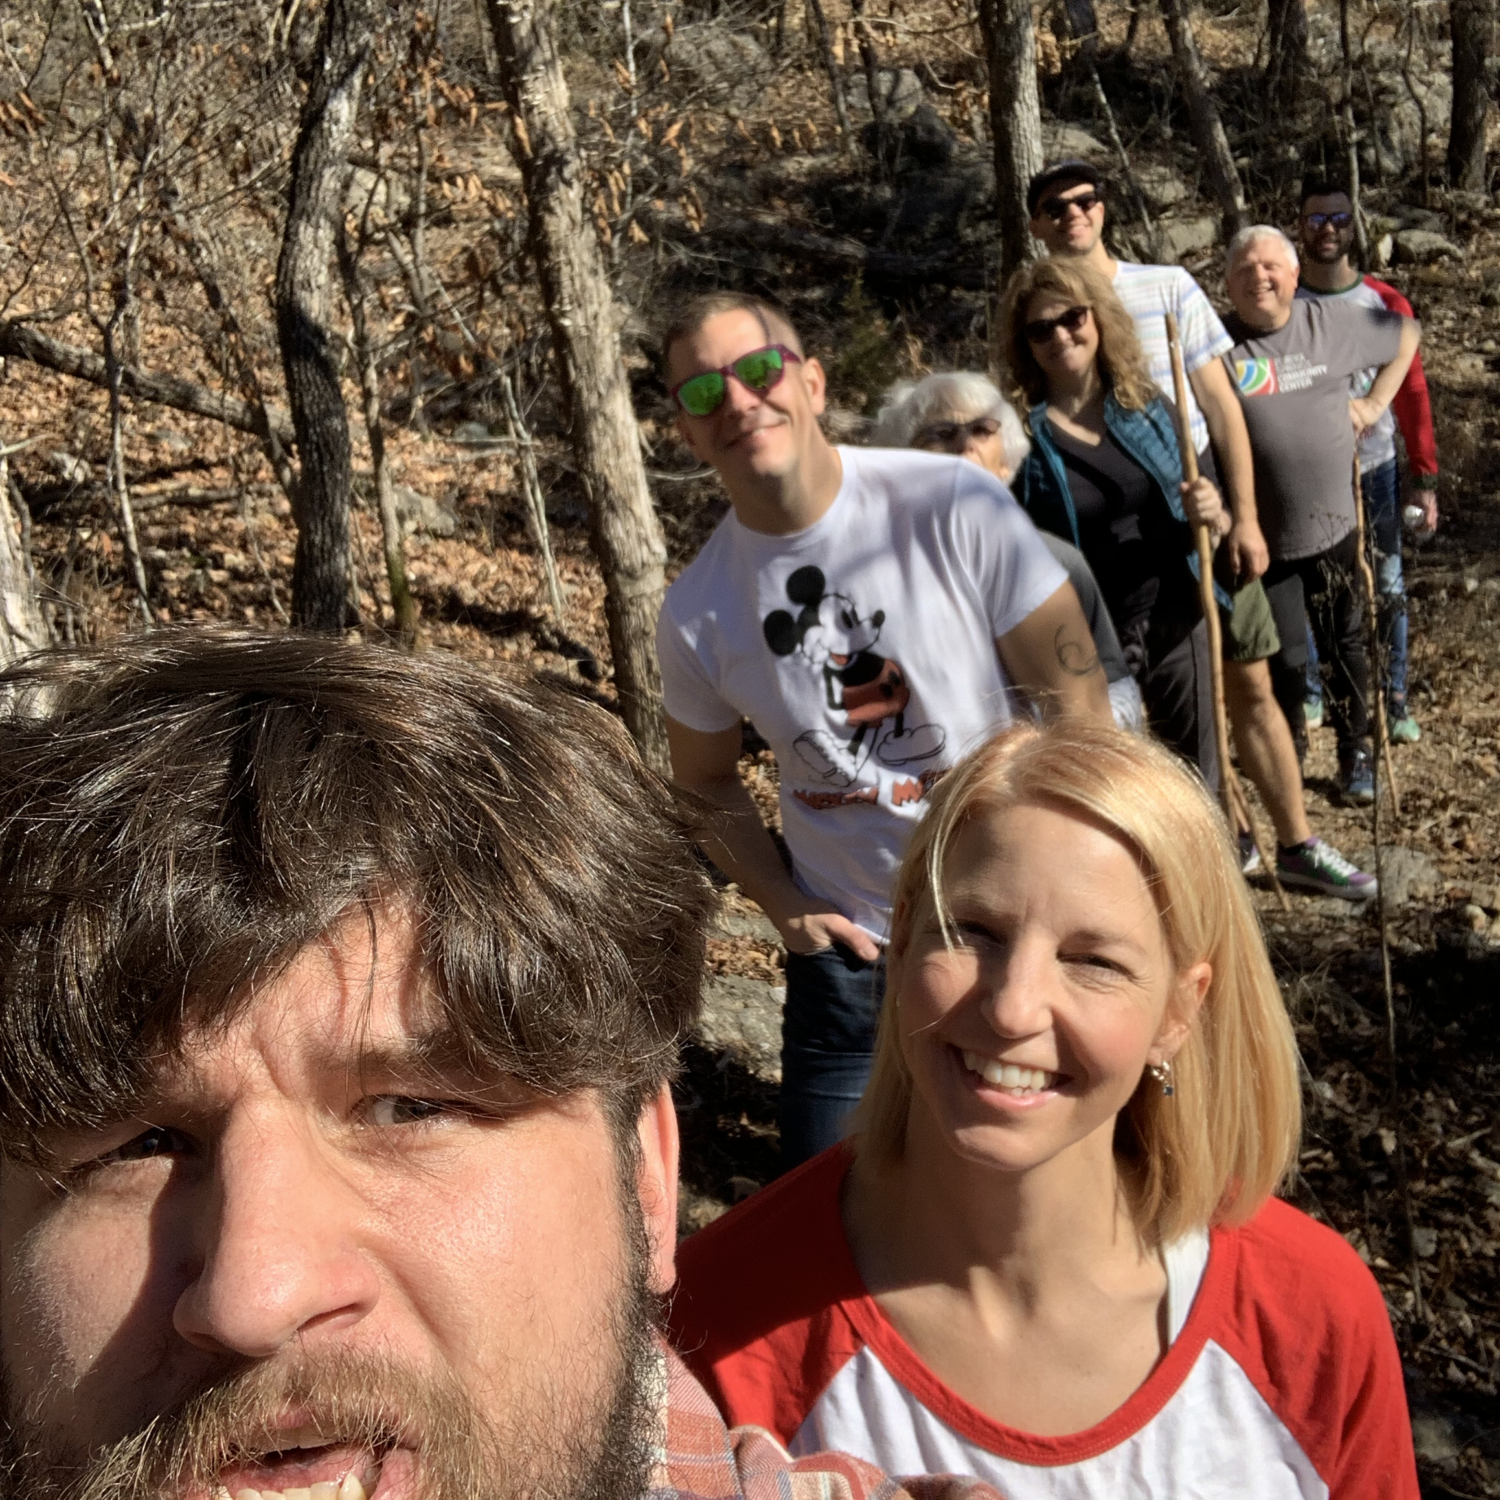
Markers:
<point>1407,1167</point>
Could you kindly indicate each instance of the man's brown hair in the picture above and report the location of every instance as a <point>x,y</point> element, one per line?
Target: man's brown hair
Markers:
<point>181,814</point>
<point>695,313</point>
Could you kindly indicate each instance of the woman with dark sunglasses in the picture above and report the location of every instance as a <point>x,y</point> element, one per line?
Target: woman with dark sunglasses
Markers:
<point>1104,473</point>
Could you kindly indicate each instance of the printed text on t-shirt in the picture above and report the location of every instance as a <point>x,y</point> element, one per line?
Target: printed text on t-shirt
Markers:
<point>1271,377</point>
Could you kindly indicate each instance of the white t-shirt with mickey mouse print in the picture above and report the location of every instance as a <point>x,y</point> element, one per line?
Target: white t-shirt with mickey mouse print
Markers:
<point>863,651</point>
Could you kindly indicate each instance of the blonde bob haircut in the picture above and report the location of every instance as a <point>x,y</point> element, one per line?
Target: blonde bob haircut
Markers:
<point>1214,1151</point>
<point>1122,361</point>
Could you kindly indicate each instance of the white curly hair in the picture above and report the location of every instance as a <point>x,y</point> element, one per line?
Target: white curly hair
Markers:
<point>955,395</point>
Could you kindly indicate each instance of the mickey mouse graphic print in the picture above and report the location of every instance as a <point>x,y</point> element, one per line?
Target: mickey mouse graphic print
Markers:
<point>863,651</point>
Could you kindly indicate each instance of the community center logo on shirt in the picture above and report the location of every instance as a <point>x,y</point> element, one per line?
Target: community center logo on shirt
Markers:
<point>1273,377</point>
<point>1256,377</point>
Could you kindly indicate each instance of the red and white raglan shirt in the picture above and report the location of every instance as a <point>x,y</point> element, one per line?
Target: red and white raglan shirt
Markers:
<point>1281,1379</point>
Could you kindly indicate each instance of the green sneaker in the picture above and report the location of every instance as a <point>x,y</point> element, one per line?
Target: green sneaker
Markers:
<point>1312,711</point>
<point>1404,731</point>
<point>1316,866</point>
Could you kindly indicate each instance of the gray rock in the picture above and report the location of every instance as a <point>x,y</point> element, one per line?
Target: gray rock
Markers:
<point>926,139</point>
<point>1420,247</point>
<point>1407,874</point>
<point>1179,237</point>
<point>1434,1438</point>
<point>742,1017</point>
<point>473,432</point>
<point>69,467</point>
<point>899,91</point>
<point>1420,218</point>
<point>1073,142</point>
<point>750,924</point>
<point>389,191</point>
<point>1161,186</point>
<point>419,512</point>
<point>729,66</point>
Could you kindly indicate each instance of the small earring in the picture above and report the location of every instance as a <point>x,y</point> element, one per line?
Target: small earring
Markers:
<point>1162,1073</point>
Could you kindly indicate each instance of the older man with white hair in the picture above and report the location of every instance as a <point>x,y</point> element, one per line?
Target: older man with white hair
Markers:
<point>1291,364</point>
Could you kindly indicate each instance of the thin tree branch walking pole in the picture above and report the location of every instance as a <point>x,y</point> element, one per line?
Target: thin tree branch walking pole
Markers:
<point>1372,620</point>
<point>1236,805</point>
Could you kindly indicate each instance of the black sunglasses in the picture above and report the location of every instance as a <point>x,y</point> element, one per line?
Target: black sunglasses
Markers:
<point>945,434</point>
<point>1040,330</point>
<point>1056,209</point>
<point>1339,220</point>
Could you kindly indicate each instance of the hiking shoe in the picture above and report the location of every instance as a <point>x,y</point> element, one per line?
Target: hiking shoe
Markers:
<point>1316,866</point>
<point>1312,712</point>
<point>1404,730</point>
<point>1250,862</point>
<point>1357,779</point>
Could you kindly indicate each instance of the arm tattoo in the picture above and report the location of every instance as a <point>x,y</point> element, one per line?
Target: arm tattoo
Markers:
<point>1075,658</point>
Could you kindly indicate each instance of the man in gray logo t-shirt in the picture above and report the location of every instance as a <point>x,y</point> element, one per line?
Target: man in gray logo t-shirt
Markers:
<point>1291,364</point>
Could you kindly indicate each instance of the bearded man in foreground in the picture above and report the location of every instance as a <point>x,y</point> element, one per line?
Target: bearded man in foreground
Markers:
<point>340,993</point>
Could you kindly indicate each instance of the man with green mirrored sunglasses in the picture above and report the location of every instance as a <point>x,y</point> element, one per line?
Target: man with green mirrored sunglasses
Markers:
<point>875,614</point>
<point>701,395</point>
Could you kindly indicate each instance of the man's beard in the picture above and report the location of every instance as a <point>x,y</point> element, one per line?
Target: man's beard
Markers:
<point>1324,254</point>
<point>567,1444</point>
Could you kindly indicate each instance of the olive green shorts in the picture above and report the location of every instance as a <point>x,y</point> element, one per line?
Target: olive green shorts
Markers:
<point>1250,632</point>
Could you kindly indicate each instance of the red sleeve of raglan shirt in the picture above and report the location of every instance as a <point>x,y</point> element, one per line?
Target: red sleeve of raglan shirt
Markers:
<point>757,1314</point>
<point>1412,406</point>
<point>1309,1326</point>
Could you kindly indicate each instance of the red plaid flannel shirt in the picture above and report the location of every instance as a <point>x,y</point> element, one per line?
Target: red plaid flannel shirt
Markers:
<point>701,1459</point>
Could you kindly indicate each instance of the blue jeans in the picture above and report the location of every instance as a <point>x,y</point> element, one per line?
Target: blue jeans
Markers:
<point>1382,493</point>
<point>827,1045</point>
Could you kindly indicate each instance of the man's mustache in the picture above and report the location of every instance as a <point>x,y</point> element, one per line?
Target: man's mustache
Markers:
<point>365,1402</point>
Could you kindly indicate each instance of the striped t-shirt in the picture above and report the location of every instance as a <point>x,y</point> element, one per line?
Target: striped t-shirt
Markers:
<point>1150,291</point>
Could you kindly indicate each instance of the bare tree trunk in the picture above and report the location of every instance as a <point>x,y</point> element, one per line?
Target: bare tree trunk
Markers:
<point>1286,49</point>
<point>1015,122</point>
<point>1351,140</point>
<point>403,605</point>
<point>825,46</point>
<point>1203,117</point>
<point>1473,25</point>
<point>536,505</point>
<point>626,534</point>
<point>121,486</point>
<point>322,595</point>
<point>22,627</point>
<point>200,256</point>
<point>870,60</point>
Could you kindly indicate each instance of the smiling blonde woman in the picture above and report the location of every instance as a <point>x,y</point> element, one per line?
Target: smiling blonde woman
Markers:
<point>1050,1257</point>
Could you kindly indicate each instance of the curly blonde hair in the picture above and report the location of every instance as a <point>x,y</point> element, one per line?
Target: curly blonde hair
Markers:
<point>1219,1147</point>
<point>1122,361</point>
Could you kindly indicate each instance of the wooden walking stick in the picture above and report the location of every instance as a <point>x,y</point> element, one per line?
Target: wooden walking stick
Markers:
<point>1236,805</point>
<point>1372,626</point>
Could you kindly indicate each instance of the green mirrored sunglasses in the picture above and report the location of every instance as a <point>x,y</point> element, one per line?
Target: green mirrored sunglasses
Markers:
<point>703,394</point>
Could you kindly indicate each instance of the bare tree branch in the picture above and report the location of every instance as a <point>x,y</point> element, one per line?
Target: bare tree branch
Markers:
<point>18,341</point>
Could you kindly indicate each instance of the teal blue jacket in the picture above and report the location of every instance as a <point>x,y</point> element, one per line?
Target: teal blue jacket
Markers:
<point>1149,437</point>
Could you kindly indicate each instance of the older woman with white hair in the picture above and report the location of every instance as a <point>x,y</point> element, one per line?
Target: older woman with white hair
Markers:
<point>963,412</point>
<point>957,411</point>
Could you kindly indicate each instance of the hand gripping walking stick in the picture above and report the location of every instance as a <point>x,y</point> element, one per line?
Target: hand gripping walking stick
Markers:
<point>1236,805</point>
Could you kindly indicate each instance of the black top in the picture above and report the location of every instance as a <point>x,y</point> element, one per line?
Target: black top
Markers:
<point>1134,544</point>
